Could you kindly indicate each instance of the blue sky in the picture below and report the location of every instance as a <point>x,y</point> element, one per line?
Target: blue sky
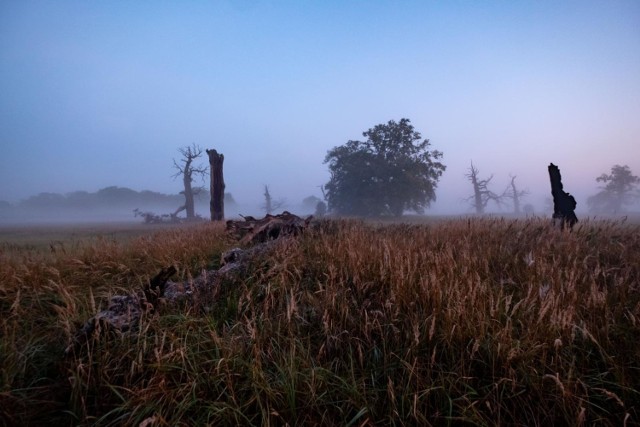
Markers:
<point>94,94</point>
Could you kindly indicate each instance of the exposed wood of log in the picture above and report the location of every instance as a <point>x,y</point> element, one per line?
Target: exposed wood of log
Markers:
<point>268,228</point>
<point>216,162</point>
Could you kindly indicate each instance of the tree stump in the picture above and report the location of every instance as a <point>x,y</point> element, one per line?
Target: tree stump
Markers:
<point>217,185</point>
<point>564,203</point>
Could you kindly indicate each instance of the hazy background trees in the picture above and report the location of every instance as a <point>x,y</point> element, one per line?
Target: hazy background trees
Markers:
<point>109,203</point>
<point>310,203</point>
<point>516,196</point>
<point>393,170</point>
<point>270,204</point>
<point>620,189</point>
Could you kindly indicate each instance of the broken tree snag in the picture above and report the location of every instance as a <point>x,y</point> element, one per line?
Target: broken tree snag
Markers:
<point>216,161</point>
<point>564,203</point>
<point>268,228</point>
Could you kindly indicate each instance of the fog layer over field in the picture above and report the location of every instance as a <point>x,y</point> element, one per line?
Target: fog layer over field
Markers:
<point>99,94</point>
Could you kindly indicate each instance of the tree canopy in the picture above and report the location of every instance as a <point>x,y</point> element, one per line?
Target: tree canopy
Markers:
<point>619,190</point>
<point>393,170</point>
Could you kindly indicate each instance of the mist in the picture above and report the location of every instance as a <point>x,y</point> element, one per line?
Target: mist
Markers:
<point>96,95</point>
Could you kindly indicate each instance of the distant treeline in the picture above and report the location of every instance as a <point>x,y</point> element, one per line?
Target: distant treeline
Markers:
<point>109,198</point>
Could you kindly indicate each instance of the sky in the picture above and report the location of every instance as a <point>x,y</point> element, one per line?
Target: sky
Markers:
<point>95,94</point>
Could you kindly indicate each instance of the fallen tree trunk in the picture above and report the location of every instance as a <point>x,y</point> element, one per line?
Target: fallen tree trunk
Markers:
<point>124,312</point>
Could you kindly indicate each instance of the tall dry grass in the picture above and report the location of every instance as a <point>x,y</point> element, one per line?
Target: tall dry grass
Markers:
<point>476,321</point>
<point>47,291</point>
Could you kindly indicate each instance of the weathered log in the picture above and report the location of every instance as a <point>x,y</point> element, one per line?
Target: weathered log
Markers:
<point>124,312</point>
<point>268,228</point>
<point>564,204</point>
<point>216,162</point>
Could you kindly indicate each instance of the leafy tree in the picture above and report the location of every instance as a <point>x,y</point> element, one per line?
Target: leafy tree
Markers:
<point>620,189</point>
<point>321,209</point>
<point>481,193</point>
<point>392,171</point>
<point>310,203</point>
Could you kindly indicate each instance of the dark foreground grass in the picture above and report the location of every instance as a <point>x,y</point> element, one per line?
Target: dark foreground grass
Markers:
<point>474,321</point>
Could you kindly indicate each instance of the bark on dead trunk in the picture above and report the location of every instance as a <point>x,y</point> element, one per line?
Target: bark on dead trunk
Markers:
<point>267,200</point>
<point>477,195</point>
<point>188,196</point>
<point>515,195</point>
<point>564,204</point>
<point>216,161</point>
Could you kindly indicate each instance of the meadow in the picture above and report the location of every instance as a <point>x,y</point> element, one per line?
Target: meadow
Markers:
<point>469,321</point>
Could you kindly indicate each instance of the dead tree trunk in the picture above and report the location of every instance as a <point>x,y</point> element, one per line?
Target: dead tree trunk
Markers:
<point>267,200</point>
<point>515,195</point>
<point>564,203</point>
<point>481,192</point>
<point>189,203</point>
<point>187,170</point>
<point>477,194</point>
<point>271,204</point>
<point>217,185</point>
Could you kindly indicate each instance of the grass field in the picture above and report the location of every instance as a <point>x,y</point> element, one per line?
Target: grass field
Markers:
<point>41,238</point>
<point>454,322</point>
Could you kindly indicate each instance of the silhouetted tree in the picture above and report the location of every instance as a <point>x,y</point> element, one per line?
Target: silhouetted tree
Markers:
<point>481,193</point>
<point>514,194</point>
<point>620,189</point>
<point>392,171</point>
<point>188,170</point>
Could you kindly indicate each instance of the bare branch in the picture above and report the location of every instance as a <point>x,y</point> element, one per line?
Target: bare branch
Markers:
<point>180,170</point>
<point>481,193</point>
<point>186,169</point>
